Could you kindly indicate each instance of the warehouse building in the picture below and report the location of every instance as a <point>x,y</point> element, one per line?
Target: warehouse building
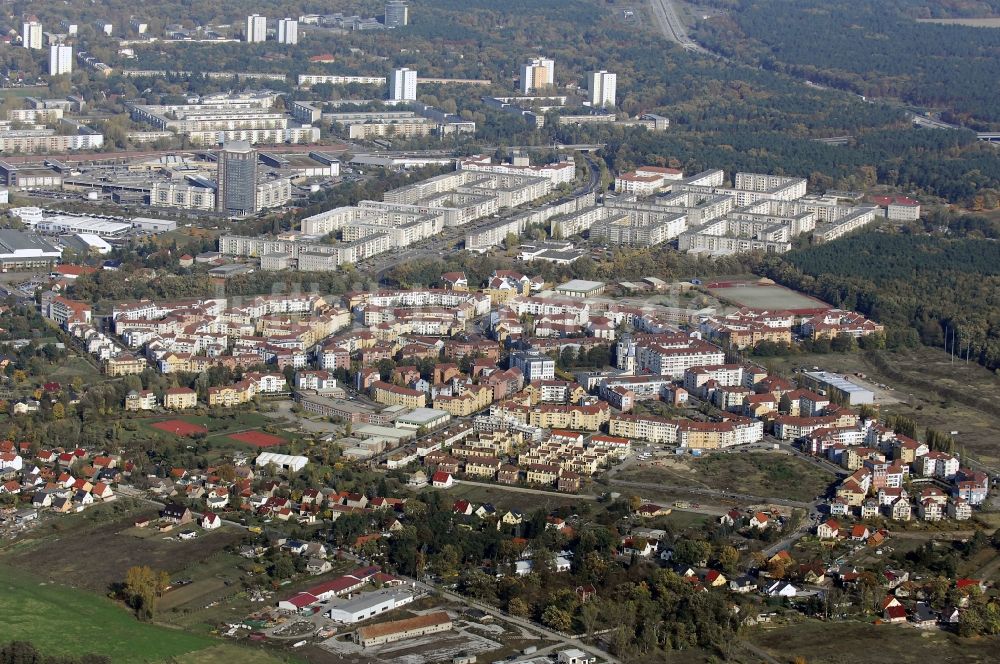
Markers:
<point>838,388</point>
<point>20,250</point>
<point>397,630</point>
<point>368,605</point>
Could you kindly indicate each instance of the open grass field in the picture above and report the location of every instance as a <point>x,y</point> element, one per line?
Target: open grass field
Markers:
<point>179,427</point>
<point>757,296</point>
<point>757,474</point>
<point>73,367</point>
<point>93,550</point>
<point>64,620</point>
<point>36,91</point>
<point>850,643</point>
<point>257,439</point>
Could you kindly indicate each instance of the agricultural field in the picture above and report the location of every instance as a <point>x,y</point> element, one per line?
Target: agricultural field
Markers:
<point>848,643</point>
<point>756,474</point>
<point>20,93</point>
<point>75,367</point>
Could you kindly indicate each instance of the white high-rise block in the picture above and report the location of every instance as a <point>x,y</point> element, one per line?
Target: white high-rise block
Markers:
<point>537,74</point>
<point>603,88</point>
<point>256,28</point>
<point>288,31</point>
<point>404,84</point>
<point>31,35</point>
<point>60,59</point>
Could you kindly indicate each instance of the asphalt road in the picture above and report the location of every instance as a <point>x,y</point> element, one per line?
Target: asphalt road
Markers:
<point>665,16</point>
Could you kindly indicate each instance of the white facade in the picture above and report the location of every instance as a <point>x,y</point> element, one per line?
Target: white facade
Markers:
<point>534,366</point>
<point>31,35</point>
<point>256,28</point>
<point>60,59</point>
<point>404,85</point>
<point>537,74</point>
<point>288,31</point>
<point>603,88</point>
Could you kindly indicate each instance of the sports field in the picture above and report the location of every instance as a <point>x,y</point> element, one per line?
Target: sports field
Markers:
<point>179,427</point>
<point>257,439</point>
<point>765,296</point>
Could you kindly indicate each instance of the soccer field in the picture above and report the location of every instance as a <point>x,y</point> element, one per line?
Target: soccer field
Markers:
<point>773,298</point>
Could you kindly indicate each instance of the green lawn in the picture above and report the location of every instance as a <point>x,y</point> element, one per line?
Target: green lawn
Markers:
<point>63,620</point>
<point>24,92</point>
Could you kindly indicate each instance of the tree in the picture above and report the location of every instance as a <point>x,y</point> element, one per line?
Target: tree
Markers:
<point>557,618</point>
<point>691,552</point>
<point>142,586</point>
<point>518,607</point>
<point>445,562</point>
<point>729,558</point>
<point>589,615</point>
<point>842,343</point>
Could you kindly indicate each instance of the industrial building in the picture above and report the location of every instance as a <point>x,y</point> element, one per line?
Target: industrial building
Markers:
<point>838,388</point>
<point>368,605</point>
<point>20,250</point>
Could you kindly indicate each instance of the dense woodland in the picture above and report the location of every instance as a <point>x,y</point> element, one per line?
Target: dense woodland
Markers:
<point>937,286</point>
<point>24,652</point>
<point>872,47</point>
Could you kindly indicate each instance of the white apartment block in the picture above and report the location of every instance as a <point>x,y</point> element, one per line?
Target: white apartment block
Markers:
<point>602,88</point>
<point>256,29</point>
<point>537,74</point>
<point>675,360</point>
<point>288,31</point>
<point>46,140</point>
<point>307,80</point>
<point>404,85</point>
<point>60,59</point>
<point>562,172</point>
<point>534,366</point>
<point>175,194</point>
<point>31,35</point>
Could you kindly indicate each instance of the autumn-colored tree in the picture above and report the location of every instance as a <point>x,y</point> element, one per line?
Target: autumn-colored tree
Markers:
<point>557,618</point>
<point>518,607</point>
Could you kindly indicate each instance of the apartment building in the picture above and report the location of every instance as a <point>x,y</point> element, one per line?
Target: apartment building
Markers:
<point>395,395</point>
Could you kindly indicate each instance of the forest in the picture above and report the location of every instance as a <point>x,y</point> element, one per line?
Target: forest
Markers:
<point>871,47</point>
<point>937,286</point>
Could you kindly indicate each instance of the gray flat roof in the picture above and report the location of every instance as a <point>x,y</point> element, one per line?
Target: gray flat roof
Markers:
<point>15,240</point>
<point>580,285</point>
<point>833,380</point>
